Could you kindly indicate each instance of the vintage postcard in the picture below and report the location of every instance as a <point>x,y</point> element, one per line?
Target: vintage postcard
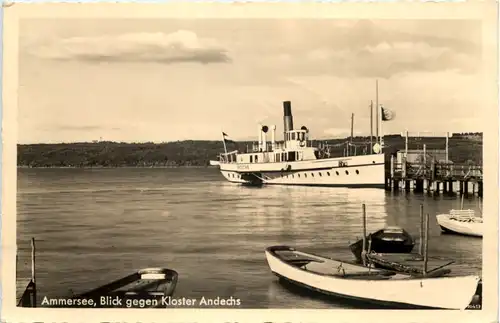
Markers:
<point>239,162</point>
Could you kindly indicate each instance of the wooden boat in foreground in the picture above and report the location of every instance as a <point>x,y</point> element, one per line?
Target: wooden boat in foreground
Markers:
<point>388,240</point>
<point>144,288</point>
<point>355,282</point>
<point>463,222</point>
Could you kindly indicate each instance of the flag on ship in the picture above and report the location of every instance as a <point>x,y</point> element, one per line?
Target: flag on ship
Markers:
<point>387,114</point>
<point>226,138</point>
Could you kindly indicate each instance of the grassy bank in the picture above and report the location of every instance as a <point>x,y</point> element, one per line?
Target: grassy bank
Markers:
<point>191,153</point>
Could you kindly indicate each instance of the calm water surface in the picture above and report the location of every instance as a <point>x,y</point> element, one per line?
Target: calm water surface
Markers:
<point>96,225</point>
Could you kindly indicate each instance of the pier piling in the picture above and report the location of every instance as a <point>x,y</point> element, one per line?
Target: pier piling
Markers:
<point>429,186</point>
<point>419,186</point>
<point>420,245</point>
<point>395,185</point>
<point>363,252</point>
<point>426,248</point>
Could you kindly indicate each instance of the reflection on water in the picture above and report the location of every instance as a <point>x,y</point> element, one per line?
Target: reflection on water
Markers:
<point>93,226</point>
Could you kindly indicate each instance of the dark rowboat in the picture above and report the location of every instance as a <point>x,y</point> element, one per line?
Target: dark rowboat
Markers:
<point>387,240</point>
<point>144,288</point>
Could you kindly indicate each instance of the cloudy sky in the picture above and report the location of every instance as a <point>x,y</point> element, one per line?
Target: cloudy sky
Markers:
<point>163,80</point>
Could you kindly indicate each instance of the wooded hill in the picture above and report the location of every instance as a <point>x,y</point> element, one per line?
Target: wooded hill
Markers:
<point>463,148</point>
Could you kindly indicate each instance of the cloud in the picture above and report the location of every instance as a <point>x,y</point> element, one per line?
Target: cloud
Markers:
<point>379,49</point>
<point>177,47</point>
<point>388,59</point>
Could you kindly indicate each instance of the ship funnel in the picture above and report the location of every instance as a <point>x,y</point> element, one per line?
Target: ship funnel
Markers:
<point>287,117</point>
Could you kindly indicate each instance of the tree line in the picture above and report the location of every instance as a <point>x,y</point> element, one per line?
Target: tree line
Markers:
<point>200,152</point>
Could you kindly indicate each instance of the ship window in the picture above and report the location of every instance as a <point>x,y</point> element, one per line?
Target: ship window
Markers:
<point>297,155</point>
<point>278,159</point>
<point>291,156</point>
<point>328,173</point>
<point>347,172</point>
<point>305,175</point>
<point>293,176</point>
<point>298,175</point>
<point>293,135</point>
<point>320,174</point>
<point>251,158</point>
<point>312,174</point>
<point>256,158</point>
<point>357,171</point>
<point>373,161</point>
<point>337,173</point>
<point>283,156</point>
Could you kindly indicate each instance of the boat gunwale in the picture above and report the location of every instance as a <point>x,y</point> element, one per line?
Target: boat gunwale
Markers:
<point>272,250</point>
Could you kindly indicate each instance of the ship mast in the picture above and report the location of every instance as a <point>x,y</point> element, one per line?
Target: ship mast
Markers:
<point>371,125</point>
<point>376,112</point>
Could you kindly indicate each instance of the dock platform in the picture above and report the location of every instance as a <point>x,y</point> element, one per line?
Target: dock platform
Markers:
<point>435,177</point>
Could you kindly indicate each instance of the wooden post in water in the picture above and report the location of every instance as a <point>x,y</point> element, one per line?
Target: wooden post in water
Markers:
<point>426,249</point>
<point>421,245</point>
<point>33,273</point>
<point>363,252</point>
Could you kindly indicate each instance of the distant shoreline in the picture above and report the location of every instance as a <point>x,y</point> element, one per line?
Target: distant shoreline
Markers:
<point>198,154</point>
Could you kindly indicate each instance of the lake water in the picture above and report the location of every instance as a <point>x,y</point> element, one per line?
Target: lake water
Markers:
<point>96,225</point>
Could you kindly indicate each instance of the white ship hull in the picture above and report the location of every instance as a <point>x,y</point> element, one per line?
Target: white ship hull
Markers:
<point>355,171</point>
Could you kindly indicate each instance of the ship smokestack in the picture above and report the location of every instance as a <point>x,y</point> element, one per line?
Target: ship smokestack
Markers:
<point>287,117</point>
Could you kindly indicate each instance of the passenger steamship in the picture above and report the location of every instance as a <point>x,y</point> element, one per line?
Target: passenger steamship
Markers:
<point>296,162</point>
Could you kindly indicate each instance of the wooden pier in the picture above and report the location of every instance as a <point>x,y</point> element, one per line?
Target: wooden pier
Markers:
<point>431,170</point>
<point>435,177</point>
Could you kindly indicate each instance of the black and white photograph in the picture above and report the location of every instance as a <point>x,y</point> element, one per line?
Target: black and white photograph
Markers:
<point>251,159</point>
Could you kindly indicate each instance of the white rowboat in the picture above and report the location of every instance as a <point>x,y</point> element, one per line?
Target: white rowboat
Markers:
<point>461,222</point>
<point>354,282</point>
